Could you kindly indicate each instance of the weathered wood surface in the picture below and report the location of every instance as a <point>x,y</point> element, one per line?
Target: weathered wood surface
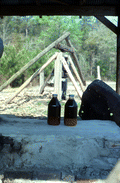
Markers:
<point>75,59</point>
<point>100,101</point>
<point>76,74</point>
<point>48,48</point>
<point>58,76</point>
<point>64,48</point>
<point>71,77</point>
<point>32,77</point>
<point>98,72</point>
<point>41,78</point>
<point>45,83</point>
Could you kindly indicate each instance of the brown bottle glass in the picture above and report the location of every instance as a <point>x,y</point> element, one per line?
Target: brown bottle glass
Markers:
<point>54,110</point>
<point>70,114</point>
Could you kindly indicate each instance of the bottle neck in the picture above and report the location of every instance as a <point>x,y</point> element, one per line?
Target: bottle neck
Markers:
<point>71,97</point>
<point>54,95</point>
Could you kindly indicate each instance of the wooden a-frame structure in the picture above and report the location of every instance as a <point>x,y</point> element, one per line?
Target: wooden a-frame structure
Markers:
<point>97,8</point>
<point>60,59</point>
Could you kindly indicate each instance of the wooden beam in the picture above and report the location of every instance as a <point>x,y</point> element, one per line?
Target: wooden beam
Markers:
<point>76,73</point>
<point>65,65</point>
<point>58,76</point>
<point>48,48</point>
<point>51,9</point>
<point>64,48</point>
<point>108,23</point>
<point>45,83</point>
<point>60,2</point>
<point>75,59</point>
<point>41,78</point>
<point>118,59</point>
<point>98,72</point>
<point>26,83</point>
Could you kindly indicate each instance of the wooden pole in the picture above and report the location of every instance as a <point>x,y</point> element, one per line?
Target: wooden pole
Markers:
<point>64,48</point>
<point>58,76</point>
<point>118,59</point>
<point>32,77</point>
<point>45,83</point>
<point>34,60</point>
<point>41,78</point>
<point>74,57</point>
<point>98,72</point>
<point>71,77</point>
<point>76,73</point>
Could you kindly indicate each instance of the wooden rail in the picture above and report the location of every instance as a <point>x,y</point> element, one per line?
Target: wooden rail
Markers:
<point>52,45</point>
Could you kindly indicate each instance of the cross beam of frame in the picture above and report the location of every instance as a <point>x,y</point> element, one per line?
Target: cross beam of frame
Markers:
<point>108,23</point>
<point>116,30</point>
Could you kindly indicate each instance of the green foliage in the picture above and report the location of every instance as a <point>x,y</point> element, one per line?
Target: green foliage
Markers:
<point>25,37</point>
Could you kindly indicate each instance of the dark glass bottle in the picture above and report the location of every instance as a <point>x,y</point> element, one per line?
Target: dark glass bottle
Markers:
<point>54,110</point>
<point>70,114</point>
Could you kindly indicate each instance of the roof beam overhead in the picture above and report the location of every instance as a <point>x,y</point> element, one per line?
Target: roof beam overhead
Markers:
<point>58,1</point>
<point>108,23</point>
<point>58,9</point>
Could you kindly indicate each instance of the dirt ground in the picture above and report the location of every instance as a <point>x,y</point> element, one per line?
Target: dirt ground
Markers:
<point>30,103</point>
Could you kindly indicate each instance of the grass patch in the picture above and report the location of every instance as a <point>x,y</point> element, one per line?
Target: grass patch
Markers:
<point>39,103</point>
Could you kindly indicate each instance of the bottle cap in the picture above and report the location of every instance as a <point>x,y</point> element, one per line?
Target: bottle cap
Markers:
<point>71,96</point>
<point>54,95</point>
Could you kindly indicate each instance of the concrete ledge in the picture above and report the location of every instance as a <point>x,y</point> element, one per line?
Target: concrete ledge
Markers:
<point>87,151</point>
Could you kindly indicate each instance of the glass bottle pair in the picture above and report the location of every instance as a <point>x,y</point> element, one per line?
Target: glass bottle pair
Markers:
<point>70,113</point>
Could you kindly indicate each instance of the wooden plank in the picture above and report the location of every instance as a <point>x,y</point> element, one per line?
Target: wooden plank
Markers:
<point>65,65</point>
<point>108,23</point>
<point>118,59</point>
<point>41,78</point>
<point>32,77</point>
<point>74,57</point>
<point>58,76</point>
<point>45,83</point>
<point>76,73</point>
<point>48,48</point>
<point>59,10</point>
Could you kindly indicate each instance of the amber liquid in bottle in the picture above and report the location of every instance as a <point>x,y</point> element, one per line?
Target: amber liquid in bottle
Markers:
<point>70,114</point>
<point>54,110</point>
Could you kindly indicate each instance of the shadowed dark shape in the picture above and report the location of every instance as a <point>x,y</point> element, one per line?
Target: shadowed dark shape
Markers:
<point>101,102</point>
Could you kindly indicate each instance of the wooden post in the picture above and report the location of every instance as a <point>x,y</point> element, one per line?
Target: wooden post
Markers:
<point>74,57</point>
<point>32,77</point>
<point>45,83</point>
<point>34,60</point>
<point>58,76</point>
<point>76,73</point>
<point>98,72</point>
<point>118,59</point>
<point>71,77</point>
<point>41,78</point>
